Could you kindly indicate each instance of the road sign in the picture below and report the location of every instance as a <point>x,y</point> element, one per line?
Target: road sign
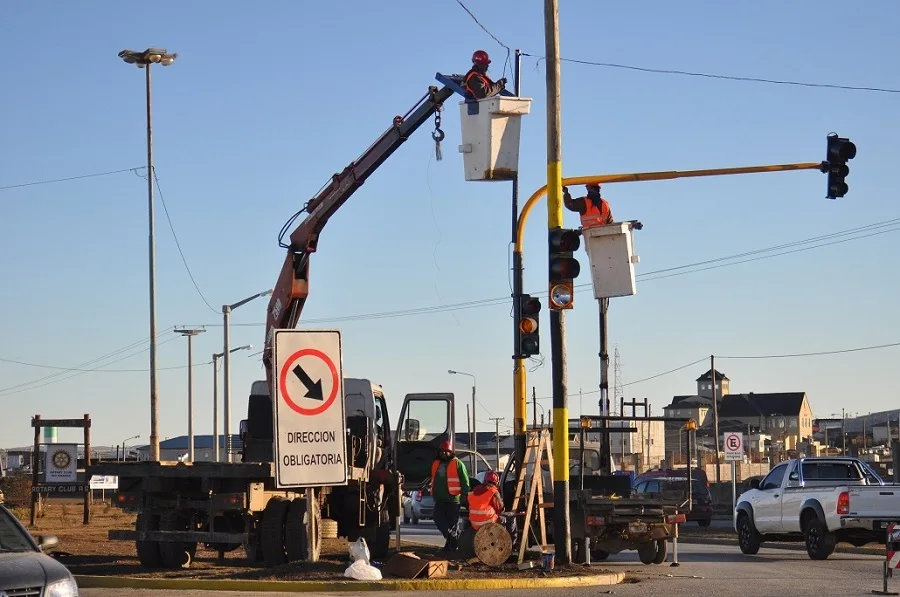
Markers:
<point>734,446</point>
<point>61,464</point>
<point>310,436</point>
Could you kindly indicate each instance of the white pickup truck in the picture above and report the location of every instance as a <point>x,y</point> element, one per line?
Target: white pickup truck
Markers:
<point>817,500</point>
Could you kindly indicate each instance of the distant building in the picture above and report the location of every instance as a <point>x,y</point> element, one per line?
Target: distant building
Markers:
<point>176,447</point>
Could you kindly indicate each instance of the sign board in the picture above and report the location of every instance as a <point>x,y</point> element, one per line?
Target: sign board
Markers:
<point>61,462</point>
<point>734,447</point>
<point>61,488</point>
<point>310,424</point>
<point>104,482</point>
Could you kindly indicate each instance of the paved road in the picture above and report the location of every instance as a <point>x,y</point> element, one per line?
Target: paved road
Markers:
<point>705,570</point>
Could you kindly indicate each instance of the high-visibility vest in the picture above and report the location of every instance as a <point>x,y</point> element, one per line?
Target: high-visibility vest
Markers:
<point>596,216</point>
<point>481,511</point>
<point>454,487</point>
<point>475,73</point>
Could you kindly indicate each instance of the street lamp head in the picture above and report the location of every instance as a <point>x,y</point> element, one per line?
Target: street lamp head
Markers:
<point>451,371</point>
<point>148,56</point>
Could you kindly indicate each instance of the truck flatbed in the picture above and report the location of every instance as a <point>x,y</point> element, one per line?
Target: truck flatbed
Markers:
<point>258,471</point>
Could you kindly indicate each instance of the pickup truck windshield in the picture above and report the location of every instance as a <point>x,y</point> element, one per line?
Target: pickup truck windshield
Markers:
<point>11,538</point>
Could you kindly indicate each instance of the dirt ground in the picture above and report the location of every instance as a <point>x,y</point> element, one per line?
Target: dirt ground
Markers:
<point>85,549</point>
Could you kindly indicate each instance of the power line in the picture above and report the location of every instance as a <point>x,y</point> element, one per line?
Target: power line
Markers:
<point>813,354</point>
<point>684,72</point>
<point>178,244</point>
<point>79,177</point>
<point>95,370</point>
<point>718,76</point>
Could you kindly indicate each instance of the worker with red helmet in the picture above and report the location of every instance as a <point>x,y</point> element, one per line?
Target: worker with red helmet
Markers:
<point>477,83</point>
<point>449,481</point>
<point>593,208</point>
<point>486,505</point>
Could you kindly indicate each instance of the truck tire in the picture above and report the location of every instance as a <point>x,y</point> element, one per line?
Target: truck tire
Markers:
<point>329,528</point>
<point>175,554</point>
<point>272,533</point>
<point>820,543</point>
<point>296,538</point>
<point>147,551</point>
<point>662,547</point>
<point>749,539</point>
<point>647,552</point>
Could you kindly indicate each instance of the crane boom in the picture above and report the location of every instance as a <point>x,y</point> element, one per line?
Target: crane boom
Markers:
<point>292,288</point>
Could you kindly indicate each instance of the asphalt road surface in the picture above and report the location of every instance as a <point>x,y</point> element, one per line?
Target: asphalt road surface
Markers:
<point>705,570</point>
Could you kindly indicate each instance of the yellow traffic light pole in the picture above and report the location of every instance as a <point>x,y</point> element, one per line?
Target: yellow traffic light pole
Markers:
<point>520,406</point>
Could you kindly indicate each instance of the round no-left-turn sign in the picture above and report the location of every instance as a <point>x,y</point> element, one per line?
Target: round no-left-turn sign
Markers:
<point>308,382</point>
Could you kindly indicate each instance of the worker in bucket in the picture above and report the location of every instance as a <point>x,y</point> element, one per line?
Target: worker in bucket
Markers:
<point>477,83</point>
<point>486,505</point>
<point>593,208</point>
<point>449,481</point>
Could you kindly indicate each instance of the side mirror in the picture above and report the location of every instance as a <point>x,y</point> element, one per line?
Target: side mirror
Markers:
<point>754,483</point>
<point>794,477</point>
<point>412,430</point>
<point>46,542</point>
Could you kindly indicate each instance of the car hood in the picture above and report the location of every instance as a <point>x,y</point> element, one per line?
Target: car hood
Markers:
<point>29,569</point>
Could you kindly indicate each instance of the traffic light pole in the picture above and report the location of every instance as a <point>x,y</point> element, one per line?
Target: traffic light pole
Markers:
<point>561,528</point>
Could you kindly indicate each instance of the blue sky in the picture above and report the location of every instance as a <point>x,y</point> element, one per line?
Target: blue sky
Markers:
<point>264,104</point>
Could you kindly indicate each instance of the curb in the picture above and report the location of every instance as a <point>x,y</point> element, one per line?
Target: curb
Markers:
<point>778,545</point>
<point>347,586</point>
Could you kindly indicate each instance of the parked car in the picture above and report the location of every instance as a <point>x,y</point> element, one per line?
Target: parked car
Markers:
<point>672,483</point>
<point>421,506</point>
<point>820,501</point>
<point>25,570</point>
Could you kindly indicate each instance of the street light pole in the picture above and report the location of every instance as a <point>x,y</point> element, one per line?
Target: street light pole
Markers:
<point>474,429</point>
<point>144,60</point>
<point>496,421</point>
<point>123,444</point>
<point>190,333</point>
<point>215,358</point>
<point>226,316</point>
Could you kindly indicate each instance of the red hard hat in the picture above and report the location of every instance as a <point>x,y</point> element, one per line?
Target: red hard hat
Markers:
<point>480,57</point>
<point>445,446</point>
<point>491,477</point>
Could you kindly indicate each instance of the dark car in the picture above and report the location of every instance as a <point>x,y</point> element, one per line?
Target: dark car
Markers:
<point>25,570</point>
<point>672,484</point>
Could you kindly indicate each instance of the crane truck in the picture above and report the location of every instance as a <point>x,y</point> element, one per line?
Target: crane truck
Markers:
<point>227,505</point>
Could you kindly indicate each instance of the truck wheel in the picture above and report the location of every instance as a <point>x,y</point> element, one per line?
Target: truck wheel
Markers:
<point>296,542</point>
<point>662,547</point>
<point>819,542</point>
<point>647,552</point>
<point>175,554</point>
<point>749,539</point>
<point>272,534</point>
<point>147,551</point>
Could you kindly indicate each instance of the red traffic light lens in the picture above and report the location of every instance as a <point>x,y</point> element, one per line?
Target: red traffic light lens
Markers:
<point>564,241</point>
<point>531,306</point>
<point>564,268</point>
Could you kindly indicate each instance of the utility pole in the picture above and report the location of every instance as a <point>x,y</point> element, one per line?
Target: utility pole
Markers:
<point>843,435</point>
<point>533,412</point>
<point>561,528</point>
<point>496,421</point>
<point>190,333</point>
<point>715,405</point>
<point>605,436</point>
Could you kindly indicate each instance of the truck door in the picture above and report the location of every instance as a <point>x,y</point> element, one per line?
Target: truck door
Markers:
<point>426,420</point>
<point>766,501</point>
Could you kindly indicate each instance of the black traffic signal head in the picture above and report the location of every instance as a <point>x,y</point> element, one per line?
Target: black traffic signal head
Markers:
<point>528,327</point>
<point>564,268</point>
<point>838,152</point>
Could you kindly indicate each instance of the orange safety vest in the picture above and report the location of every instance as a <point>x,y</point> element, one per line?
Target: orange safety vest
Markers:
<point>454,487</point>
<point>596,216</point>
<point>475,73</point>
<point>481,511</point>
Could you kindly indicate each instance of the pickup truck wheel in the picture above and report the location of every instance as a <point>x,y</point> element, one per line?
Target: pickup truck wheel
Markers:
<point>147,551</point>
<point>749,539</point>
<point>820,543</point>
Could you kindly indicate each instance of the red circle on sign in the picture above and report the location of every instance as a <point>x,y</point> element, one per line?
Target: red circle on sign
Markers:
<point>733,442</point>
<point>282,381</point>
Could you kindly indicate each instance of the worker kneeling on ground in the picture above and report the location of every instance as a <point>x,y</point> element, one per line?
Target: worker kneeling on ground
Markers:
<point>486,506</point>
<point>449,480</point>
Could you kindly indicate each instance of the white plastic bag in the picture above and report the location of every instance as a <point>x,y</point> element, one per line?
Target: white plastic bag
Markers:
<point>359,551</point>
<point>360,570</point>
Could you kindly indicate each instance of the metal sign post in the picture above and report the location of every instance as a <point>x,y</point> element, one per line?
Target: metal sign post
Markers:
<point>734,452</point>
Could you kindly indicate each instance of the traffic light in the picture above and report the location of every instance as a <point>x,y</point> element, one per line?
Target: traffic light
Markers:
<point>839,151</point>
<point>564,268</point>
<point>528,341</point>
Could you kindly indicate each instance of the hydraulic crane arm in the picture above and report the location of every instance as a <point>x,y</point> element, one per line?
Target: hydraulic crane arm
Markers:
<point>292,288</point>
